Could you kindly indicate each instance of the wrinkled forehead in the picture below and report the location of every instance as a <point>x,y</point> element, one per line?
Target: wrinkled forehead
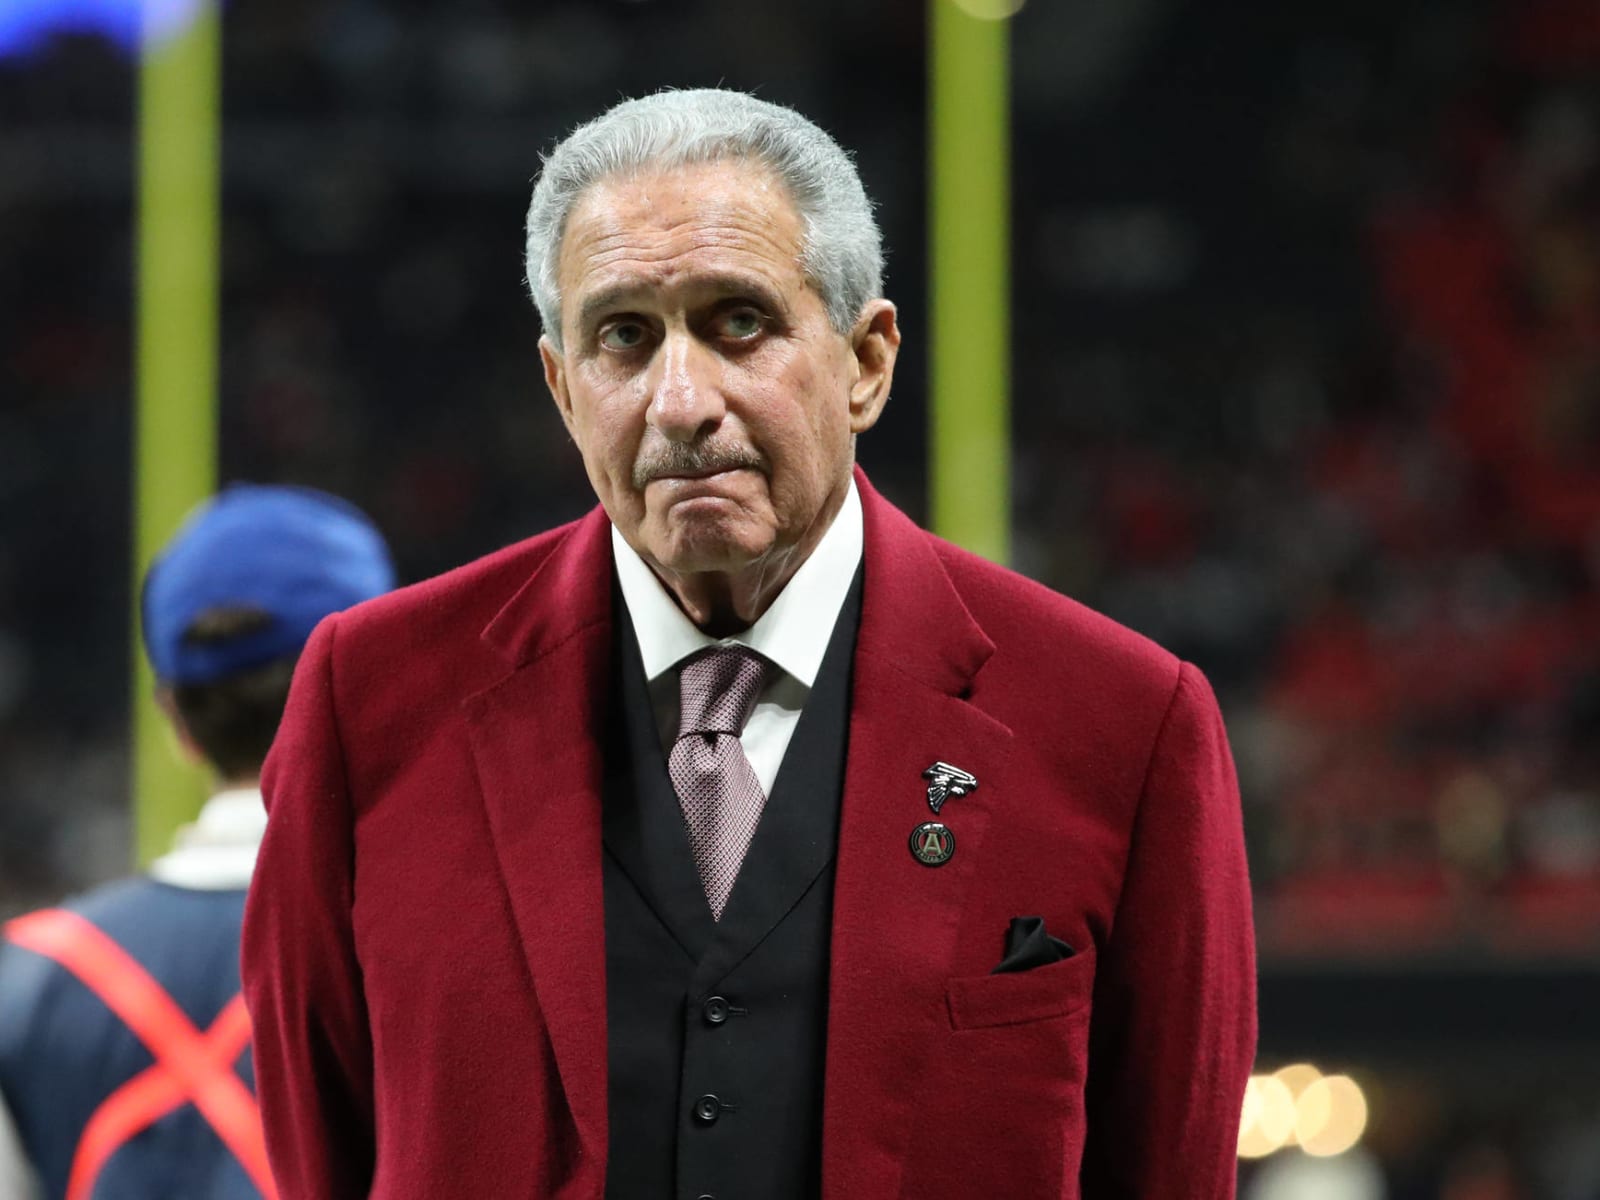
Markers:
<point>661,228</point>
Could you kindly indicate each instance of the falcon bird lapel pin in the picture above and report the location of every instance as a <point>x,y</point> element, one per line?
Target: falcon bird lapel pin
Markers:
<point>945,781</point>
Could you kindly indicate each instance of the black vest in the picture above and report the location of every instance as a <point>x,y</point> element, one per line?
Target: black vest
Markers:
<point>717,1030</point>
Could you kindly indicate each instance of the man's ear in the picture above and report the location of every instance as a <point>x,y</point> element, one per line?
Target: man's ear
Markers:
<point>555,378</point>
<point>875,342</point>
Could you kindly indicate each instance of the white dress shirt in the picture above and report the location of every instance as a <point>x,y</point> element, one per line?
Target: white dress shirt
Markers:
<point>793,633</point>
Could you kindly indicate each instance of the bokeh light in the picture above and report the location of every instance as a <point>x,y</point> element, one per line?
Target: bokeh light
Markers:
<point>1331,1116</point>
<point>1297,1077</point>
<point>1269,1117</point>
<point>1325,1115</point>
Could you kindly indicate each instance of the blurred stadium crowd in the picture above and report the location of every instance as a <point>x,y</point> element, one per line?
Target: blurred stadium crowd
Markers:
<point>1307,386</point>
<point>1360,482</point>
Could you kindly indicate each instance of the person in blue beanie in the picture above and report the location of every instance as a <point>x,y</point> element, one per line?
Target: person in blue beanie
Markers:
<point>124,1043</point>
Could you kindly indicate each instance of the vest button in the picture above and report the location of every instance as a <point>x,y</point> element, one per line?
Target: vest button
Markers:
<point>716,1010</point>
<point>707,1109</point>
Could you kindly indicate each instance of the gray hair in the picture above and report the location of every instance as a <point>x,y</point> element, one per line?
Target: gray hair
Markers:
<point>841,251</point>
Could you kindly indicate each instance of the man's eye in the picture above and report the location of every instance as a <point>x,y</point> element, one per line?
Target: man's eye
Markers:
<point>625,335</point>
<point>741,323</point>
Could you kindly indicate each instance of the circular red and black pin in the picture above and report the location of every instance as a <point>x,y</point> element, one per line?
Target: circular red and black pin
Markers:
<point>932,843</point>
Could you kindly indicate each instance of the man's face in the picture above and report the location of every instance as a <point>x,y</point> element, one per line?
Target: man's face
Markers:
<point>713,403</point>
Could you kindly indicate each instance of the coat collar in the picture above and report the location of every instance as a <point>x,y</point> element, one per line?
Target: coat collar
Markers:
<point>566,593</point>
<point>912,614</point>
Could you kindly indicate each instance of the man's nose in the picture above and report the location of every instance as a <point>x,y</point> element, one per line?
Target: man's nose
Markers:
<point>685,399</point>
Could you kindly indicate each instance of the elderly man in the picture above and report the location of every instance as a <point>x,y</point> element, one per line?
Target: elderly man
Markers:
<point>742,840</point>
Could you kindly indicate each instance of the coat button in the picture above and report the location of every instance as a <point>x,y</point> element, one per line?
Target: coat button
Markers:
<point>716,1009</point>
<point>707,1109</point>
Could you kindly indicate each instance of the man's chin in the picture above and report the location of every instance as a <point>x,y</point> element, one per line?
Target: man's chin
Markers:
<point>703,547</point>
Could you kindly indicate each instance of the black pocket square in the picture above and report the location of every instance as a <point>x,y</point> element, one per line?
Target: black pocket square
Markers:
<point>1029,946</point>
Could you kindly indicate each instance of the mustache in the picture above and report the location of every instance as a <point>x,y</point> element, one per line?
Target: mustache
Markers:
<point>694,458</point>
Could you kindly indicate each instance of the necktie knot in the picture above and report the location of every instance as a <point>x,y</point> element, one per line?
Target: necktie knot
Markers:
<point>717,690</point>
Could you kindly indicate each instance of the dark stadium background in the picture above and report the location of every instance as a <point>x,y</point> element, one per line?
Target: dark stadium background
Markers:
<point>1306,334</point>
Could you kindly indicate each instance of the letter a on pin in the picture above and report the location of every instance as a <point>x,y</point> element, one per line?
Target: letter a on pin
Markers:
<point>932,843</point>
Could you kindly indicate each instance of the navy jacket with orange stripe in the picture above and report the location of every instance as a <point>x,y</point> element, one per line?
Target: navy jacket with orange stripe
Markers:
<point>62,1051</point>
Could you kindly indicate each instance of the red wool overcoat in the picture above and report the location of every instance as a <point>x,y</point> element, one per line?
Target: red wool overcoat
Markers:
<point>424,943</point>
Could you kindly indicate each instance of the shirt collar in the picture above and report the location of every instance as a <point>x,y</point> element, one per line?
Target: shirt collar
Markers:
<point>793,632</point>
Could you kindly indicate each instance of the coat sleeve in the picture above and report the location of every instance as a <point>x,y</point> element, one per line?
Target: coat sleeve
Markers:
<point>1173,1031</point>
<point>302,977</point>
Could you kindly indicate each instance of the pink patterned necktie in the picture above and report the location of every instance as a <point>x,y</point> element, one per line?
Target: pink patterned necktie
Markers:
<point>718,789</point>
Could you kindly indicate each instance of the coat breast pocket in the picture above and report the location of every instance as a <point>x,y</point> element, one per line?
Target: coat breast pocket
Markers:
<point>1047,993</point>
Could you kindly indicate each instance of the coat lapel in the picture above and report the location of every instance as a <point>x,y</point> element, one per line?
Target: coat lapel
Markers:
<point>536,738</point>
<point>895,920</point>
